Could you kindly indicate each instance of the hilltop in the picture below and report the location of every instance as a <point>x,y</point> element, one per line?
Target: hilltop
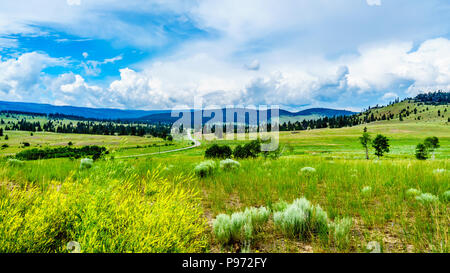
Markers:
<point>430,107</point>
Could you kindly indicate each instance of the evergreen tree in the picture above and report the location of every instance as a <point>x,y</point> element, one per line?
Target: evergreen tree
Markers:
<point>421,151</point>
<point>432,143</point>
<point>381,145</point>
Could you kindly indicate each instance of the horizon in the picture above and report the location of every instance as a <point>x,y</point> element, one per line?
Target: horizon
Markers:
<point>152,55</point>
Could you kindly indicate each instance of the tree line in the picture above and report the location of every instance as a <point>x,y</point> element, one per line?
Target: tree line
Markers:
<point>89,127</point>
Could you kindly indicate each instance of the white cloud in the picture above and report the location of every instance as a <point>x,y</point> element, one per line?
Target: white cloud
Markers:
<point>8,43</point>
<point>85,55</point>
<point>374,72</point>
<point>299,43</point>
<point>92,68</point>
<point>20,78</point>
<point>373,2</point>
<point>73,2</point>
<point>254,65</point>
<point>389,96</point>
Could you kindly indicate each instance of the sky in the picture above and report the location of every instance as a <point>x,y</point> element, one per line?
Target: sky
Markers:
<point>160,54</point>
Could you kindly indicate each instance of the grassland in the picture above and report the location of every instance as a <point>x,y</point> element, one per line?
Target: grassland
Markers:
<point>373,193</point>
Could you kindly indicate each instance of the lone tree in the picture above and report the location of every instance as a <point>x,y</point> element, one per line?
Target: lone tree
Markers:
<point>421,151</point>
<point>432,143</point>
<point>381,145</point>
<point>365,141</point>
<point>1,131</point>
<point>6,137</point>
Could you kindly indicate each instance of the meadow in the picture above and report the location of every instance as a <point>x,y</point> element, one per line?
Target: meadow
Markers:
<point>158,204</point>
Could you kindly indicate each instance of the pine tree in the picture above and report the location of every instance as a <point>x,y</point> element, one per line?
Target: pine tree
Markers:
<point>421,151</point>
<point>381,145</point>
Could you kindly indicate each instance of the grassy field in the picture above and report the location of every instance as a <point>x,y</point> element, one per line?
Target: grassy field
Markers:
<point>122,205</point>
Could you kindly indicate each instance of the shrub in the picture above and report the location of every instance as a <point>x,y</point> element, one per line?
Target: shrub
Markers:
<point>413,192</point>
<point>205,168</point>
<point>366,190</point>
<point>222,228</point>
<point>251,149</point>
<point>46,153</point>
<point>280,206</point>
<point>427,198</point>
<point>239,227</point>
<point>216,151</point>
<point>86,163</point>
<point>258,216</point>
<point>308,170</point>
<point>229,164</point>
<point>15,162</point>
<point>302,219</point>
<point>439,171</point>
<point>341,230</point>
<point>4,146</point>
<point>446,196</point>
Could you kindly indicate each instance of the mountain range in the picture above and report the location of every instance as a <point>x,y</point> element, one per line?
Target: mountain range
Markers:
<point>149,115</point>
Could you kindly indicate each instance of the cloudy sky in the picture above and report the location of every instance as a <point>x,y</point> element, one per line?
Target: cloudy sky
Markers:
<point>157,54</point>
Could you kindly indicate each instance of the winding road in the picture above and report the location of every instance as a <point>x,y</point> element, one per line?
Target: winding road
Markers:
<point>189,134</point>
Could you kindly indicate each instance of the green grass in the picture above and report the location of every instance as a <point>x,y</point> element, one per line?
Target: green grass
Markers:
<point>388,213</point>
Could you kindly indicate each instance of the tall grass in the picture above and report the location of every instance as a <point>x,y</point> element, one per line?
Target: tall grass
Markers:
<point>134,214</point>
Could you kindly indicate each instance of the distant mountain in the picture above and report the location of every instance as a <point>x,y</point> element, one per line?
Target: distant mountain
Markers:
<point>313,113</point>
<point>150,116</point>
<point>96,113</point>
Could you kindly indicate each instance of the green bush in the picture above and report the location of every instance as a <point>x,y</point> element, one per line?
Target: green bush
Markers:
<point>302,219</point>
<point>86,163</point>
<point>240,226</point>
<point>308,170</point>
<point>258,216</point>
<point>367,190</point>
<point>280,206</point>
<point>216,151</point>
<point>413,192</point>
<point>46,153</point>
<point>446,196</point>
<point>341,230</point>
<point>251,149</point>
<point>222,228</point>
<point>427,198</point>
<point>229,164</point>
<point>15,162</point>
<point>205,168</point>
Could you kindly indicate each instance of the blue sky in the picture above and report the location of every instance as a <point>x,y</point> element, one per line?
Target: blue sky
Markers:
<point>157,54</point>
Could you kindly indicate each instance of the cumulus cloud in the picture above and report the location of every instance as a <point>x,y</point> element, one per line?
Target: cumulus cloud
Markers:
<point>85,55</point>
<point>373,2</point>
<point>20,78</point>
<point>299,43</point>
